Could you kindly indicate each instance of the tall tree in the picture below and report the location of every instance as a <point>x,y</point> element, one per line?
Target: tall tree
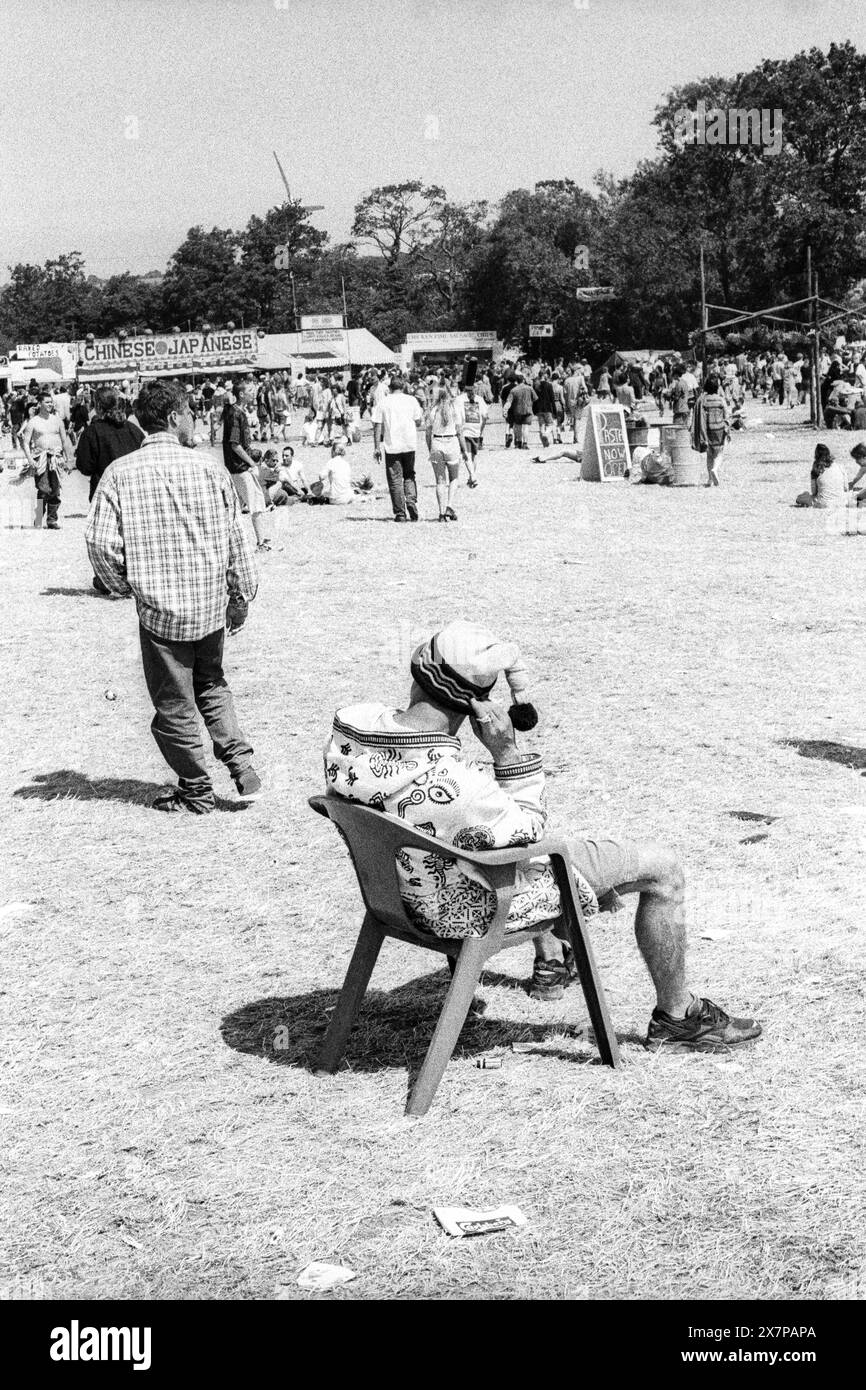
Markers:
<point>44,303</point>
<point>199,283</point>
<point>397,216</point>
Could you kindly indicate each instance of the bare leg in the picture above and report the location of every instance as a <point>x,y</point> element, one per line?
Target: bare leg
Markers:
<point>260,526</point>
<point>659,927</point>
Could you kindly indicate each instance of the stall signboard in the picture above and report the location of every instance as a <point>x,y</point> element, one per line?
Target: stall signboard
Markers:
<point>594,294</point>
<point>180,352</point>
<point>313,321</point>
<point>605,448</point>
<point>57,357</point>
<point>541,330</point>
<point>451,342</point>
<point>322,335</point>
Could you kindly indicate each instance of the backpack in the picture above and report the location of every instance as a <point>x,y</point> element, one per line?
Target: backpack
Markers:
<point>716,428</point>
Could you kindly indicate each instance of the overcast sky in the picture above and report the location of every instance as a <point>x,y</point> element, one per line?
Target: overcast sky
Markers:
<point>128,121</point>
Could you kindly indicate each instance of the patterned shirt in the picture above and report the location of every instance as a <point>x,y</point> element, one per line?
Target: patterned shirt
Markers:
<point>164,525</point>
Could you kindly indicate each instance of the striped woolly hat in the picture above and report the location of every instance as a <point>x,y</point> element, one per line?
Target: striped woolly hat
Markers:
<point>462,662</point>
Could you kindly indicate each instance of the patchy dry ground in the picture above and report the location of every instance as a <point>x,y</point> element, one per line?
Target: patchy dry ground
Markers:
<point>697,655</point>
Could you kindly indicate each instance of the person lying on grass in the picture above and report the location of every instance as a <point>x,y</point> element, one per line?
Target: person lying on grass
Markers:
<point>567,451</point>
<point>828,484</point>
<point>410,763</point>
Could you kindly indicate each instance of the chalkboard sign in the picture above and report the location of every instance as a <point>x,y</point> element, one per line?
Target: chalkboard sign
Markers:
<point>605,447</point>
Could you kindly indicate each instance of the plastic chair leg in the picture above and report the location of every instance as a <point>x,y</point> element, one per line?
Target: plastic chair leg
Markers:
<point>593,990</point>
<point>467,973</point>
<point>364,958</point>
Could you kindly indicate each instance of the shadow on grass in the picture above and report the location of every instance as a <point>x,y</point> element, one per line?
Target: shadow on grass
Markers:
<point>61,592</point>
<point>394,1028</point>
<point>828,752</point>
<point>63,784</point>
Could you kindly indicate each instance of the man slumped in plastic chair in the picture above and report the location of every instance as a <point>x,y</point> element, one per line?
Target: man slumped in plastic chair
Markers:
<point>410,763</point>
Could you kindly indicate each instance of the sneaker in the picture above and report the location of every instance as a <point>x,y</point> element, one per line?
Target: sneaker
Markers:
<point>401,518</point>
<point>442,516</point>
<point>413,511</point>
<point>471,483</point>
<point>174,801</point>
<point>249,785</point>
<point>550,979</point>
<point>705,1028</point>
<point>450,514</point>
<point>264,546</point>
<point>99,586</point>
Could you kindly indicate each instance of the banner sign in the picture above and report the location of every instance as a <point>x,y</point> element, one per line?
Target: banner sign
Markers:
<point>451,342</point>
<point>33,351</point>
<point>322,335</point>
<point>310,321</point>
<point>541,330</point>
<point>181,352</point>
<point>58,357</point>
<point>605,447</point>
<point>593,294</point>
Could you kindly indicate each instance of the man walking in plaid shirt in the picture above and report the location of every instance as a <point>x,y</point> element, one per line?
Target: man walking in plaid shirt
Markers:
<point>164,525</point>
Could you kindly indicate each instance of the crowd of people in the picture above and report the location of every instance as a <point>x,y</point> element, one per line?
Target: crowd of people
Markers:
<point>255,416</point>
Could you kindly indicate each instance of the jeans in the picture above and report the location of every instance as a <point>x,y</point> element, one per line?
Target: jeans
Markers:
<point>48,493</point>
<point>400,472</point>
<point>185,679</point>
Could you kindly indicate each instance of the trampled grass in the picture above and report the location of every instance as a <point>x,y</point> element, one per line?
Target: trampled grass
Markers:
<point>167,979</point>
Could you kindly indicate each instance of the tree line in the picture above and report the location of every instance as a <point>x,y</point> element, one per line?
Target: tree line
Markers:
<point>441,264</point>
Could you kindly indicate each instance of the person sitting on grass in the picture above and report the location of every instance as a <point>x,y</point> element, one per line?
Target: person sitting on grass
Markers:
<point>828,484</point>
<point>841,403</point>
<point>334,484</point>
<point>858,454</point>
<point>410,763</point>
<point>292,477</point>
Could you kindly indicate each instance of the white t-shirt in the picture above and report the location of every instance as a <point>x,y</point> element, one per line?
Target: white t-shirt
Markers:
<point>400,417</point>
<point>337,478</point>
<point>474,414</point>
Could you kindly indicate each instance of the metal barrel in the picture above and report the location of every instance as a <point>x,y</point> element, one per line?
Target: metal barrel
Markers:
<point>688,466</point>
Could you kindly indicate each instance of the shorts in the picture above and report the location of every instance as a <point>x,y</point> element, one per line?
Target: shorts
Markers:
<point>545,419</point>
<point>249,491</point>
<point>445,457</point>
<point>606,863</point>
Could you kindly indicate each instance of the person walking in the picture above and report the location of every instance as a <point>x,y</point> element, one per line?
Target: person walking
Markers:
<point>576,398</point>
<point>446,445</point>
<point>165,526</point>
<point>545,408</point>
<point>712,428</point>
<point>396,420</point>
<point>237,443</point>
<point>474,412</point>
<point>521,400</point>
<point>48,453</point>
<point>109,436</point>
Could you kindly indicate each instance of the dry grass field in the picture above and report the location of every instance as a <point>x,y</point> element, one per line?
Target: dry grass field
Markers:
<point>699,666</point>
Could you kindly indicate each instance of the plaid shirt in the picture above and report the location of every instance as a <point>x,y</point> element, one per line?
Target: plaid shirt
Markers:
<point>164,525</point>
